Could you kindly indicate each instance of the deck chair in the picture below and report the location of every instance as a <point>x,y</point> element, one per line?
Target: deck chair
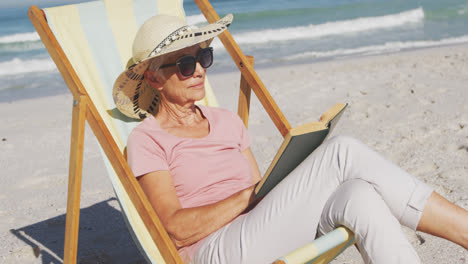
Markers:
<point>91,44</point>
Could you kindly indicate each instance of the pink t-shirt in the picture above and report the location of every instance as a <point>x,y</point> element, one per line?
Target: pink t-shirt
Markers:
<point>204,170</point>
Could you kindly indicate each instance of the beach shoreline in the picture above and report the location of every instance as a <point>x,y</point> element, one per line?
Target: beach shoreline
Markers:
<point>410,106</point>
<point>59,87</point>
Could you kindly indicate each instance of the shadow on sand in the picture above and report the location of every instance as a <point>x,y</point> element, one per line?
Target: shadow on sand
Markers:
<point>103,237</point>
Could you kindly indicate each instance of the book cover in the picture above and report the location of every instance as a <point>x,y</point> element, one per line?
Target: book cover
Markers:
<point>296,146</point>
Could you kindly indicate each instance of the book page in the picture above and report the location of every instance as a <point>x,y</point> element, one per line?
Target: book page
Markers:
<point>332,112</point>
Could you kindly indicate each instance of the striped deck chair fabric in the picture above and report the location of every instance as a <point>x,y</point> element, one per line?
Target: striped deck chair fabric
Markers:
<point>97,39</point>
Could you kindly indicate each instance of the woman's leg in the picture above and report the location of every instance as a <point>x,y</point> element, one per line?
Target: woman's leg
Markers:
<point>287,218</point>
<point>425,210</point>
<point>445,219</point>
<point>404,194</point>
<point>356,205</point>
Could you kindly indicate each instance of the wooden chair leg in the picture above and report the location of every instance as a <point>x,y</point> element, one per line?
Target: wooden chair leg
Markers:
<point>74,180</point>
<point>243,108</point>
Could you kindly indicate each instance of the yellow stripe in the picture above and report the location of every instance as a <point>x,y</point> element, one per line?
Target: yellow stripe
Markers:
<point>180,9</point>
<point>64,20</point>
<point>302,255</point>
<point>210,98</point>
<point>172,7</point>
<point>124,30</point>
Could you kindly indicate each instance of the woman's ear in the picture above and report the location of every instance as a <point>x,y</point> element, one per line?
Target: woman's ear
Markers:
<point>151,78</point>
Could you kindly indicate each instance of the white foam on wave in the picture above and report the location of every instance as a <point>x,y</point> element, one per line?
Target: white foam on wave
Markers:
<point>332,28</point>
<point>195,19</point>
<point>378,49</point>
<point>19,66</point>
<point>19,37</point>
<point>463,10</point>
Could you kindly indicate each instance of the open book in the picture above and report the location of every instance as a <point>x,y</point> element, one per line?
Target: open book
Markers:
<point>297,145</point>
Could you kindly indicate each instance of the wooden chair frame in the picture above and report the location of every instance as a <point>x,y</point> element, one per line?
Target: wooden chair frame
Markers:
<point>85,110</point>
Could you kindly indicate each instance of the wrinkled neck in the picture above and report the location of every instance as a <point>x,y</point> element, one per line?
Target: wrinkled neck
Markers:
<point>174,115</point>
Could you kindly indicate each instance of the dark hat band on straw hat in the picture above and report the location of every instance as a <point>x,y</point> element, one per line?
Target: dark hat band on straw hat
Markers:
<point>167,41</point>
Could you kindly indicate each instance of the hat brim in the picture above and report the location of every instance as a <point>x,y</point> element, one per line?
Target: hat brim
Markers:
<point>132,97</point>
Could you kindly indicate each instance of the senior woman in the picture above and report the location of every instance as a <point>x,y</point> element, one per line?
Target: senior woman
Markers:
<point>195,165</point>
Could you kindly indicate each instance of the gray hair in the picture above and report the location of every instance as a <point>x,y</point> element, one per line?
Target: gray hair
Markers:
<point>155,63</point>
<point>154,68</point>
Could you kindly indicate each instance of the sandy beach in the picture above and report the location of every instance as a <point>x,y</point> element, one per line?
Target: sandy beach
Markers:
<point>409,106</point>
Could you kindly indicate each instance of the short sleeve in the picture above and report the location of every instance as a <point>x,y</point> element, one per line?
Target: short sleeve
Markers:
<point>245,139</point>
<point>144,154</point>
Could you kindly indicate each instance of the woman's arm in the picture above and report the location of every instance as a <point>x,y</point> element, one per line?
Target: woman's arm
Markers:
<point>253,164</point>
<point>189,225</point>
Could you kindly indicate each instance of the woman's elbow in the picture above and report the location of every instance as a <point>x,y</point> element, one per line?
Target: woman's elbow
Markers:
<point>179,235</point>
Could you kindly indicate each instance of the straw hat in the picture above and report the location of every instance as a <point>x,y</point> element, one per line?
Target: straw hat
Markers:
<point>159,35</point>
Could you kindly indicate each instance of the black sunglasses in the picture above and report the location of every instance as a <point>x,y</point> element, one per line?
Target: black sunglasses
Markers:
<point>188,63</point>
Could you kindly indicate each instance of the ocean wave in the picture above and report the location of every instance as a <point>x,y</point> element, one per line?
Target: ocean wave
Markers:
<point>332,28</point>
<point>378,49</point>
<point>19,37</point>
<point>195,19</point>
<point>19,66</point>
<point>463,10</point>
<point>21,46</point>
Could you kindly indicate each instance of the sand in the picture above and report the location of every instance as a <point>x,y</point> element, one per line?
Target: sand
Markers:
<point>409,106</point>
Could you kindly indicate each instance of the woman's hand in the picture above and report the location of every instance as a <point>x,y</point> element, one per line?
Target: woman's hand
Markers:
<point>253,199</point>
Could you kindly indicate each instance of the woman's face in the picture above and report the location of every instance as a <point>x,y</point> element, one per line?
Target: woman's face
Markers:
<point>176,88</point>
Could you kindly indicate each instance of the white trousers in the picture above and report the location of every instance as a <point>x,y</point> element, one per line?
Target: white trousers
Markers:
<point>343,182</point>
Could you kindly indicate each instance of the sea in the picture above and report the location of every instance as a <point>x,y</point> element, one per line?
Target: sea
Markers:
<point>275,32</point>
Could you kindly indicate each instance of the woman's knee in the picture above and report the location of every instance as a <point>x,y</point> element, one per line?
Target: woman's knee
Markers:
<point>352,202</point>
<point>359,207</point>
<point>357,197</point>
